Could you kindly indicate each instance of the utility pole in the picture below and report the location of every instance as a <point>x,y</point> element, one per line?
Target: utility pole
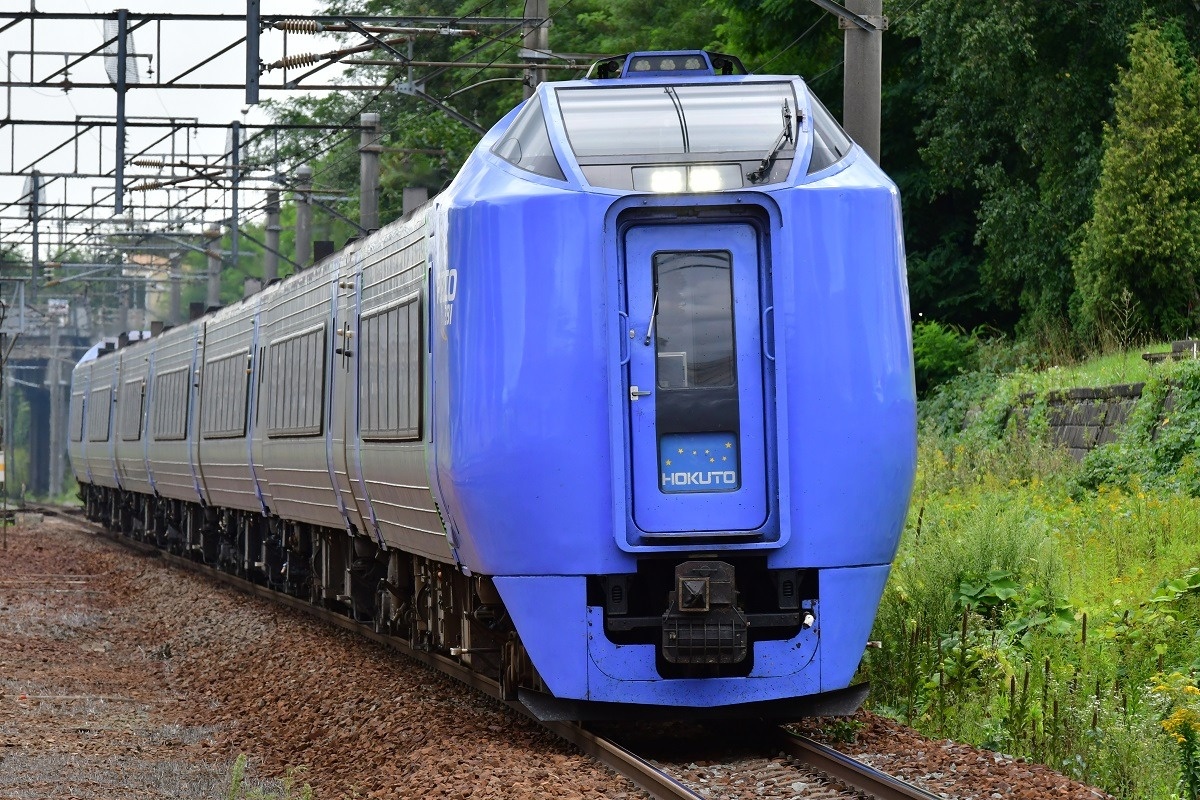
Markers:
<point>35,212</point>
<point>54,384</point>
<point>214,266</point>
<point>123,290</point>
<point>122,86</point>
<point>304,217</point>
<point>271,257</point>
<point>175,279</point>
<point>368,173</point>
<point>235,137</point>
<point>862,89</point>
<point>535,44</point>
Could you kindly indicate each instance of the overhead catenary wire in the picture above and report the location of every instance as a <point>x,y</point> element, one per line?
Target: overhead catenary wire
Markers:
<point>507,47</point>
<point>316,149</point>
<point>795,42</point>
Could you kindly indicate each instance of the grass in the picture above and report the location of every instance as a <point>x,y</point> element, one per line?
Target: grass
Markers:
<point>289,787</point>
<point>1105,370</point>
<point>1046,608</point>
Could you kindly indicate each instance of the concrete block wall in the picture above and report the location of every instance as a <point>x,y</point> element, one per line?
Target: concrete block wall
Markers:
<point>1083,419</point>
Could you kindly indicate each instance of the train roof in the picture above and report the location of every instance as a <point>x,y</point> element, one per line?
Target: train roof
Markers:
<point>685,121</point>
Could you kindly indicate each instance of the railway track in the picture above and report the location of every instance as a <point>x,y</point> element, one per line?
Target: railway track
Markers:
<point>802,768</point>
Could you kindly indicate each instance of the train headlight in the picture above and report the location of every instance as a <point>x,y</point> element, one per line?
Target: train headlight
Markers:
<point>699,178</point>
<point>705,179</point>
<point>662,180</point>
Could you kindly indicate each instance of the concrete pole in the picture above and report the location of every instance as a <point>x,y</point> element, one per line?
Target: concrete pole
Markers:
<point>304,216</point>
<point>235,131</point>
<point>862,91</point>
<point>175,284</point>
<point>214,266</point>
<point>271,257</point>
<point>535,42</point>
<point>368,173</point>
<point>57,417</point>
<point>123,290</point>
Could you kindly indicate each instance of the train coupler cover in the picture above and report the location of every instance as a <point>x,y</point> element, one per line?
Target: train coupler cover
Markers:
<point>702,624</point>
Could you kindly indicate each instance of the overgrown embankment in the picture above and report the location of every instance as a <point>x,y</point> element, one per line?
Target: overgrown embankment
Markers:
<point>1044,606</point>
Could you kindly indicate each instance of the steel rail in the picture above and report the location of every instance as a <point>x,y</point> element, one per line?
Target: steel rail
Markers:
<point>660,785</point>
<point>850,771</point>
<point>620,760</point>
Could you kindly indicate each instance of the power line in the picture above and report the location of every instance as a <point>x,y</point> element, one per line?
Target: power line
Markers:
<point>795,42</point>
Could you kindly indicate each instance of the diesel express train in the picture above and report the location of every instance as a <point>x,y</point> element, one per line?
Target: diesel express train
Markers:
<point>625,416</point>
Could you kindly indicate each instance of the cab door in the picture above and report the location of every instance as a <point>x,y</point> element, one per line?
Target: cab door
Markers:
<point>694,382</point>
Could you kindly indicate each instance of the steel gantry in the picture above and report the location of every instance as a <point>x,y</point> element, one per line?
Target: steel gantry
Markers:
<point>101,196</point>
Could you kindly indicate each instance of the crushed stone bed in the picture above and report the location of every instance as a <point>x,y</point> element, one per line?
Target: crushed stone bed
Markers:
<point>121,677</point>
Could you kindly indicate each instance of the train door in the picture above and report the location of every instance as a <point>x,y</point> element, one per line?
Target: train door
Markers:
<point>343,388</point>
<point>193,413</point>
<point>695,378</point>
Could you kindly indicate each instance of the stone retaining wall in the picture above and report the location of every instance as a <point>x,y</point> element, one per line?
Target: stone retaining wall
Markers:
<point>1082,419</point>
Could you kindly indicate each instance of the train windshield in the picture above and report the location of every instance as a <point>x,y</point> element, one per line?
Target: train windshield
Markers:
<point>615,132</point>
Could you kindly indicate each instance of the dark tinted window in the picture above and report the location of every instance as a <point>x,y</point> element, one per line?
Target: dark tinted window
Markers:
<point>694,319</point>
<point>389,399</point>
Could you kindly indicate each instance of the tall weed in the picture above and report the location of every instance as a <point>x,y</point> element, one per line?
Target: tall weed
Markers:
<point>1033,601</point>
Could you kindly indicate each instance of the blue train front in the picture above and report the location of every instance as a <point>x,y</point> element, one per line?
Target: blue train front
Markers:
<point>672,409</point>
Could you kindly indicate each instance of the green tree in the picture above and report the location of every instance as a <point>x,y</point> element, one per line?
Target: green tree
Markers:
<point>424,147</point>
<point>1144,234</point>
<point>1013,97</point>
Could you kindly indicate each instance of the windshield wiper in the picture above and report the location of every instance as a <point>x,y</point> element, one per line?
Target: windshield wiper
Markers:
<point>785,135</point>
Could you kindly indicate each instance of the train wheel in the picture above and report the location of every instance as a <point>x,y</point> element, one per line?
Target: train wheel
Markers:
<point>382,608</point>
<point>510,671</point>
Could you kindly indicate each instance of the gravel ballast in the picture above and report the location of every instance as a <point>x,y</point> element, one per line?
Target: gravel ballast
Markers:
<point>123,677</point>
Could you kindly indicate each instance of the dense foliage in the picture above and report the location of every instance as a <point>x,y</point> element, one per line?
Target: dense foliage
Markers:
<point>1045,608</point>
<point>1046,152</point>
<point>939,353</point>
<point>1144,235</point>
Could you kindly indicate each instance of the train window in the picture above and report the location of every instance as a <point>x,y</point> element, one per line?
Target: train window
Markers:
<point>224,393</point>
<point>77,417</point>
<point>390,372</point>
<point>296,384</point>
<point>830,142</point>
<point>133,394</point>
<point>614,122</point>
<point>171,404</point>
<point>693,138</point>
<point>694,320</point>
<point>100,414</point>
<point>526,143</point>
